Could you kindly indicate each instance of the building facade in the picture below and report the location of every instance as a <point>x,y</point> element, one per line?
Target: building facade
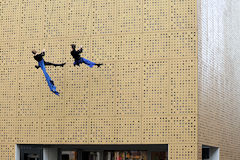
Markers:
<point>165,89</point>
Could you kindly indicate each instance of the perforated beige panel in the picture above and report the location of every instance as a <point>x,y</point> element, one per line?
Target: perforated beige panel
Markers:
<point>155,88</point>
<point>172,129</point>
<point>29,92</point>
<point>9,53</point>
<point>56,50</point>
<point>103,48</point>
<point>115,130</point>
<point>182,151</point>
<point>183,14</point>
<point>8,88</point>
<point>7,151</point>
<point>144,93</point>
<point>9,19</point>
<point>78,17</point>
<point>76,130</point>
<point>129,16</point>
<point>182,129</point>
<point>101,130</point>
<point>77,91</point>
<point>128,88</point>
<point>31,19</point>
<point>152,134</point>
<point>103,17</point>
<point>183,86</point>
<point>170,45</point>
<point>55,18</point>
<point>128,130</point>
<point>52,130</point>
<point>199,152</point>
<point>155,15</point>
<point>27,130</point>
<point>7,126</point>
<point>128,47</point>
<point>103,92</point>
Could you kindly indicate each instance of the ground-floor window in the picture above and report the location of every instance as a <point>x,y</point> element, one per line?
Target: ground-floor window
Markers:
<point>93,152</point>
<point>210,153</point>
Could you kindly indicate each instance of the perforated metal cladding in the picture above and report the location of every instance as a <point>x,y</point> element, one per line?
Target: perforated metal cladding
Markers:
<point>170,45</point>
<point>183,151</point>
<point>145,92</point>
<point>52,130</point>
<point>27,130</point>
<point>102,130</point>
<point>64,130</point>
<point>172,129</point>
<point>7,151</point>
<point>76,130</point>
<point>129,16</point>
<point>7,126</point>
<point>152,134</point>
<point>55,18</point>
<point>183,14</point>
<point>183,129</point>
<point>115,130</point>
<point>128,130</point>
<point>9,53</point>
<point>77,91</point>
<point>31,19</point>
<point>29,93</point>
<point>78,17</point>
<point>128,88</point>
<point>56,50</point>
<point>128,47</point>
<point>155,88</point>
<point>183,86</point>
<point>8,89</point>
<point>103,91</point>
<point>155,15</point>
<point>9,19</point>
<point>103,17</point>
<point>103,48</point>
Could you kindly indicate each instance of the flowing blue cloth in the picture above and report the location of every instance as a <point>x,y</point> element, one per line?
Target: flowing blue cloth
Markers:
<point>84,60</point>
<point>48,78</point>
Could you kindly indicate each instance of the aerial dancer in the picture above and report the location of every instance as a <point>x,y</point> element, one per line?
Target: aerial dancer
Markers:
<point>38,57</point>
<point>79,60</point>
<point>42,63</point>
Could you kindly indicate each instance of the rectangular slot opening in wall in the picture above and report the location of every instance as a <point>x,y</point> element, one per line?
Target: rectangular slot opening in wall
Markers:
<point>210,153</point>
<point>93,152</point>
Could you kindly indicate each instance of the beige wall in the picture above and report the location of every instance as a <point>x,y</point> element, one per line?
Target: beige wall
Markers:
<point>219,75</point>
<point>146,92</point>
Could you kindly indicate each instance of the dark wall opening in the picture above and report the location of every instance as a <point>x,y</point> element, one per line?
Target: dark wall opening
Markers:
<point>94,152</point>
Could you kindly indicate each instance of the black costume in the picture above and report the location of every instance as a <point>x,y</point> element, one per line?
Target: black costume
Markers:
<point>39,57</point>
<point>79,60</point>
<point>42,63</point>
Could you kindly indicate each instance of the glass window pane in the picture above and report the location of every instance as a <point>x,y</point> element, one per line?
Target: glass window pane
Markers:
<point>91,155</point>
<point>69,155</point>
<point>159,155</point>
<point>125,155</point>
<point>31,156</point>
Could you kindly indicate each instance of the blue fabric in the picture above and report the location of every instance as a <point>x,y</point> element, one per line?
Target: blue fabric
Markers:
<point>84,60</point>
<point>48,78</point>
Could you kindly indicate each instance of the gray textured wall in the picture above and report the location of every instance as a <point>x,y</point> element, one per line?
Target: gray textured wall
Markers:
<point>219,75</point>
